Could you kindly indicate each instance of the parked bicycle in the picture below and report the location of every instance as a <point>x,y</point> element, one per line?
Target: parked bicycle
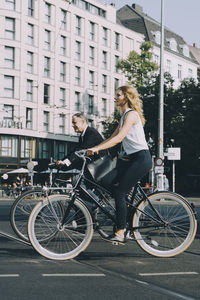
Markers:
<point>61,226</point>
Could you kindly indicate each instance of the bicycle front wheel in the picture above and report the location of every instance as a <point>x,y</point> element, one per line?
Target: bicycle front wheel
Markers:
<point>166,226</point>
<point>21,209</point>
<point>55,240</point>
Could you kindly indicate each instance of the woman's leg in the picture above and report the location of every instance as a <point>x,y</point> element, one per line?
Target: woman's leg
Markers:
<point>138,167</point>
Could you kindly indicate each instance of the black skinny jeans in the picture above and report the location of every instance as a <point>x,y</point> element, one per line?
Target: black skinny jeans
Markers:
<point>129,173</point>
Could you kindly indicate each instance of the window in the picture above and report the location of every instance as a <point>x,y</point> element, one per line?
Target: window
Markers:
<point>91,55</point>
<point>46,93</point>
<point>190,73</point>
<point>10,4</point>
<point>77,101</point>
<point>46,121</point>
<point>47,66</point>
<point>156,36</point>
<point>90,104</point>
<point>91,79</point>
<point>168,66</point>
<point>63,19</point>
<point>180,72</point>
<point>47,40</point>
<point>185,50</point>
<point>62,123</point>
<point>90,7</point>
<point>31,8</point>
<point>47,13</point>
<point>9,57</point>
<point>26,147</point>
<point>10,28</point>
<point>29,62</point>
<point>156,58</point>
<point>78,25</point>
<point>78,50</point>
<point>90,123</point>
<point>116,84</point>
<point>172,44</point>
<point>29,118</point>
<point>62,71</point>
<point>117,36</point>
<point>92,31</point>
<point>104,60</point>
<point>104,107</point>
<point>8,146</point>
<point>77,76</point>
<point>63,45</point>
<point>9,86</point>
<point>105,36</point>
<point>104,83</point>
<point>8,112</point>
<point>61,150</point>
<point>30,34</point>
<point>44,149</point>
<point>29,90</point>
<point>116,63</point>
<point>62,96</point>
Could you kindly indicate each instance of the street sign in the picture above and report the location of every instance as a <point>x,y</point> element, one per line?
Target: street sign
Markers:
<point>159,169</point>
<point>173,154</point>
<point>158,161</point>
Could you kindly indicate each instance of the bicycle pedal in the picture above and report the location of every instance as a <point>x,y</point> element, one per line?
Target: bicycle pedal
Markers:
<point>115,243</point>
<point>118,243</point>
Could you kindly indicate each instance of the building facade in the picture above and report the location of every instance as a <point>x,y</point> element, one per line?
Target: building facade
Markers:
<point>179,61</point>
<point>57,58</point>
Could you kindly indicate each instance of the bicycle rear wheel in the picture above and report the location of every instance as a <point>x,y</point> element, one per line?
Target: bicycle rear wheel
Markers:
<point>21,209</point>
<point>65,241</point>
<point>172,232</point>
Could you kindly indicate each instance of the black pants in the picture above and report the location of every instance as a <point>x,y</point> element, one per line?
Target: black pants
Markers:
<point>129,173</point>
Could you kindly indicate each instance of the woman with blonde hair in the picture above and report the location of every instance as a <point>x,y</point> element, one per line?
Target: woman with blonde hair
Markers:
<point>134,160</point>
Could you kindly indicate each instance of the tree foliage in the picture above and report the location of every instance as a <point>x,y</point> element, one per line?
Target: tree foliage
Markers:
<point>139,68</point>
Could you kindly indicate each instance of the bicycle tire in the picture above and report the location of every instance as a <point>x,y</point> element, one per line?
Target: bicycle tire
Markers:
<point>21,209</point>
<point>67,241</point>
<point>179,230</point>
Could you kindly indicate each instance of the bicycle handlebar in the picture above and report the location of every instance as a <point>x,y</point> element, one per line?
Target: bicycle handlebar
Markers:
<point>81,154</point>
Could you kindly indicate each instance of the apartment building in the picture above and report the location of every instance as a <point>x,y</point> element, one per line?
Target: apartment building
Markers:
<point>57,58</point>
<point>179,60</point>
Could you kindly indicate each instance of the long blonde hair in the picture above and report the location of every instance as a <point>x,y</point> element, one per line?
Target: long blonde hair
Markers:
<point>133,99</point>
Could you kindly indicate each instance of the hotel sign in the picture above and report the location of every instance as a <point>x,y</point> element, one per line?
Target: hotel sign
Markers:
<point>10,124</point>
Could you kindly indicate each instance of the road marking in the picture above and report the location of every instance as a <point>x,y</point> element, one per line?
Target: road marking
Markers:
<point>168,273</point>
<point>9,275</point>
<point>74,275</point>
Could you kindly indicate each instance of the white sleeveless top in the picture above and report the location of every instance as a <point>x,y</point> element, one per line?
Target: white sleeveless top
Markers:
<point>135,140</point>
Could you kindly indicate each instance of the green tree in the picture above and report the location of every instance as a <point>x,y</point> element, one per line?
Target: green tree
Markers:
<point>140,69</point>
<point>188,131</point>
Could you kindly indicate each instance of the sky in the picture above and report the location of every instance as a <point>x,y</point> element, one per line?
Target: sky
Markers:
<point>180,16</point>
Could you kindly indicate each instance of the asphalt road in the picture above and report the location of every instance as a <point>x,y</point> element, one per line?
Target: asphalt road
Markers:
<point>102,271</point>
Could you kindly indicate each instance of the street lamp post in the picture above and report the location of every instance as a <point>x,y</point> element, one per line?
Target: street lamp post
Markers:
<point>160,180</point>
<point>161,96</point>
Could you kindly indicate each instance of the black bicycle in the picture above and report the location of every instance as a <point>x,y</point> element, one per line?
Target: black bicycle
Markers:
<point>60,227</point>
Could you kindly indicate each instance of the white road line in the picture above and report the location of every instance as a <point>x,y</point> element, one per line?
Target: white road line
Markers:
<point>168,273</point>
<point>74,275</point>
<point>9,275</point>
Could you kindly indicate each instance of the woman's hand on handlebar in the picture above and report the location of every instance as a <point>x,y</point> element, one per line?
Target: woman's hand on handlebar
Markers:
<point>92,151</point>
